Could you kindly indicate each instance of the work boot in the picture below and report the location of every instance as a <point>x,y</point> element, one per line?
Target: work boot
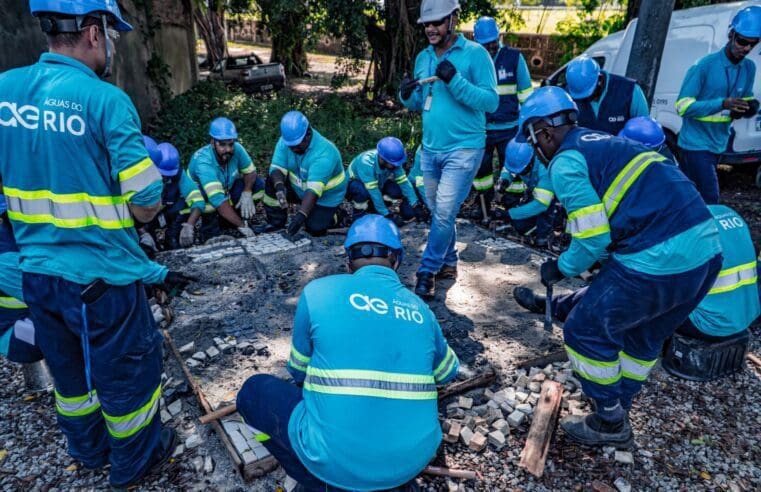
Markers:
<point>426,285</point>
<point>528,299</point>
<point>267,228</point>
<point>591,430</point>
<point>167,442</point>
<point>447,272</point>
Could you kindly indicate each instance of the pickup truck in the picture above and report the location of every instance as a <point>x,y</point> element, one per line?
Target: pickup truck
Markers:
<point>249,73</point>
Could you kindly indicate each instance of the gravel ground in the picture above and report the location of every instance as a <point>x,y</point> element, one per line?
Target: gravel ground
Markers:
<point>688,436</point>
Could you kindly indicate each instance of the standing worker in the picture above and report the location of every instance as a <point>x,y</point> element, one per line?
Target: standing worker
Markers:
<point>606,101</point>
<point>369,354</point>
<point>513,87</point>
<point>226,175</point>
<point>454,111</point>
<point>717,89</point>
<point>306,168</point>
<point>73,212</point>
<point>628,201</point>
<point>376,174</point>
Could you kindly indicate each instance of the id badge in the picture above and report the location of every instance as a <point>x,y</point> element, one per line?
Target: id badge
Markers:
<point>428,102</point>
<point>162,220</point>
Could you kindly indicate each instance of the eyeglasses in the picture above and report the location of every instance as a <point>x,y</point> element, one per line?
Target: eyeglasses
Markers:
<point>745,42</point>
<point>436,23</point>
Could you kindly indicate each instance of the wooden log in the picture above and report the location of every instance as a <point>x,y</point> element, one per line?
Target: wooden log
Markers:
<point>557,356</point>
<point>484,379</point>
<point>754,359</point>
<point>534,454</point>
<point>218,414</point>
<point>449,472</point>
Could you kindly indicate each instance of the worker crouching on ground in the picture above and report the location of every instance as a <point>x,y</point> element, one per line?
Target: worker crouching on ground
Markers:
<point>648,132</point>
<point>664,247</point>
<point>369,354</point>
<point>226,175</point>
<point>306,169</point>
<point>377,174</point>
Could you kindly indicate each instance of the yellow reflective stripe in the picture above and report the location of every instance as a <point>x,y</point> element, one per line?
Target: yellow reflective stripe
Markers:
<point>379,384</point>
<point>258,195</point>
<point>137,177</point>
<point>335,181</point>
<point>588,222</point>
<point>372,185</point>
<point>483,183</point>
<point>11,303</point>
<point>633,368</point>
<point>734,278</point>
<point>378,393</point>
<point>295,180</point>
<point>683,103</point>
<point>317,186</point>
<point>523,95</point>
<point>248,169</point>
<point>597,371</point>
<point>298,361</point>
<point>715,118</point>
<point>543,196</point>
<point>270,201</point>
<point>626,178</point>
<point>63,197</point>
<point>299,356</point>
<point>419,181</point>
<point>517,187</point>
<point>507,89</point>
<point>401,179</point>
<point>392,377</point>
<point>76,406</point>
<point>445,368</point>
<point>125,426</point>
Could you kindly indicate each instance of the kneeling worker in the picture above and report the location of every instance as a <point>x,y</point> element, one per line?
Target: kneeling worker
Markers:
<point>369,354</point>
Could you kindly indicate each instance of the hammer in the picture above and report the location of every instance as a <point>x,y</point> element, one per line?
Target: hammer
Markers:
<point>548,310</point>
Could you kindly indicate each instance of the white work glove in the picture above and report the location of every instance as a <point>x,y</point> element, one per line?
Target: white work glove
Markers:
<point>147,240</point>
<point>187,234</point>
<point>246,231</point>
<point>246,205</point>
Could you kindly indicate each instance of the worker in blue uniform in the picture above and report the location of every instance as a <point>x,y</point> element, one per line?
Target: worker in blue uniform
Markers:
<point>73,216</point>
<point>17,340</point>
<point>368,354</point>
<point>536,214</point>
<point>629,203</point>
<point>226,176</point>
<point>454,111</point>
<point>181,199</point>
<point>717,89</point>
<point>606,101</point>
<point>513,87</point>
<point>307,169</point>
<point>647,131</point>
<point>377,174</point>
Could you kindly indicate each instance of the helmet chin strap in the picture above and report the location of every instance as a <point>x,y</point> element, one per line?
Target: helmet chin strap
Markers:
<point>109,55</point>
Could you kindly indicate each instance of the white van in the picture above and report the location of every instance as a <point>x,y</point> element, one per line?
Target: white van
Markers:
<point>693,33</point>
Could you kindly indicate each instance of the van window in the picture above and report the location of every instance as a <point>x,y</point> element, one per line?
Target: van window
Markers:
<point>600,61</point>
<point>684,46</point>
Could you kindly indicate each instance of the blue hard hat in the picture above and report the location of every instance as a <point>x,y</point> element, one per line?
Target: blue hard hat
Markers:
<point>391,150</point>
<point>374,228</point>
<point>581,77</point>
<point>170,159</point>
<point>543,102</point>
<point>81,7</point>
<point>518,156</point>
<point>485,30</point>
<point>3,204</point>
<point>645,130</point>
<point>747,22</point>
<point>293,128</point>
<point>153,149</point>
<point>222,129</point>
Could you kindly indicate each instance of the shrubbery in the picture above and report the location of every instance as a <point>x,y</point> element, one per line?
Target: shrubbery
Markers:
<point>352,122</point>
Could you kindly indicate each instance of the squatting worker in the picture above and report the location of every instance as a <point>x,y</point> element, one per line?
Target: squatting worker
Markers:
<point>73,209</point>
<point>454,129</point>
<point>368,354</point>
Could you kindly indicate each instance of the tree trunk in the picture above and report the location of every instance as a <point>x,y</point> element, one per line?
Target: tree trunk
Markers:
<point>286,22</point>
<point>210,21</point>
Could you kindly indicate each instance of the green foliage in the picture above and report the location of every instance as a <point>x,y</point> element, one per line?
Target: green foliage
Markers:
<point>349,121</point>
<point>576,35</point>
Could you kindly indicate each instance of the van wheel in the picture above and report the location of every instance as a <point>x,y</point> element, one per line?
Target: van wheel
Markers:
<point>671,139</point>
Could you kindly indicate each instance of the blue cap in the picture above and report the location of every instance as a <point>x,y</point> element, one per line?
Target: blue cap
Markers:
<point>3,204</point>
<point>391,150</point>
<point>747,22</point>
<point>170,159</point>
<point>485,30</point>
<point>518,156</point>
<point>543,102</point>
<point>581,77</point>
<point>222,129</point>
<point>153,149</point>
<point>293,128</point>
<point>81,7</point>
<point>645,130</point>
<point>374,228</point>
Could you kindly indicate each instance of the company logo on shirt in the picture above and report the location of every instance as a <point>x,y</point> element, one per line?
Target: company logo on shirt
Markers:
<point>616,119</point>
<point>595,137</point>
<point>402,311</point>
<point>32,118</point>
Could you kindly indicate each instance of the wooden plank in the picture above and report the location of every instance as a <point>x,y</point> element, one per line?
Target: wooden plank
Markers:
<point>542,361</point>
<point>218,414</point>
<point>754,359</point>
<point>450,472</point>
<point>484,379</point>
<point>534,454</point>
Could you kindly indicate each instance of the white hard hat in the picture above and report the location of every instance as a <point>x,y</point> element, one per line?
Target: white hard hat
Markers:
<point>432,10</point>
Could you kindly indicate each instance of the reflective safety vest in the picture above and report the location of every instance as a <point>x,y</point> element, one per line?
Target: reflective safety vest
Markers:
<point>506,64</point>
<point>614,109</point>
<point>645,199</point>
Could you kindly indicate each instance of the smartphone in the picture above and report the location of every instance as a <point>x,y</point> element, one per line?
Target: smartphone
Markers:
<point>94,291</point>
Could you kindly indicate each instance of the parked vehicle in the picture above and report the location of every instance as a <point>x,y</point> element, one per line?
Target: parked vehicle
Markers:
<point>693,33</point>
<point>249,73</point>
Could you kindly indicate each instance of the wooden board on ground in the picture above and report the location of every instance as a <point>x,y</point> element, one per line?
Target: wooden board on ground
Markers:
<point>534,454</point>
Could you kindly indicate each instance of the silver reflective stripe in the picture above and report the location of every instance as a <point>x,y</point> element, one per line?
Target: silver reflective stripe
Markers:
<point>140,181</point>
<point>77,406</point>
<point>370,383</point>
<point>600,372</point>
<point>734,278</point>
<point>122,427</point>
<point>543,196</point>
<point>633,368</point>
<point>69,211</point>
<point>588,223</point>
<point>626,178</point>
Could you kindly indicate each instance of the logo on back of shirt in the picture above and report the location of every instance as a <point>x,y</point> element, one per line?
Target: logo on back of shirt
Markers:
<point>402,311</point>
<point>595,137</point>
<point>32,118</point>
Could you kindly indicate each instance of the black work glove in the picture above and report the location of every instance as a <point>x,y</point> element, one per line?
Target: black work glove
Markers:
<point>177,280</point>
<point>420,211</point>
<point>407,87</point>
<point>446,71</point>
<point>297,222</point>
<point>550,273</point>
<point>396,219</point>
<point>752,110</point>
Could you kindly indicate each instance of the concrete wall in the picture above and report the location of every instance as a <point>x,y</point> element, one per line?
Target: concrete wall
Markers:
<point>163,37</point>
